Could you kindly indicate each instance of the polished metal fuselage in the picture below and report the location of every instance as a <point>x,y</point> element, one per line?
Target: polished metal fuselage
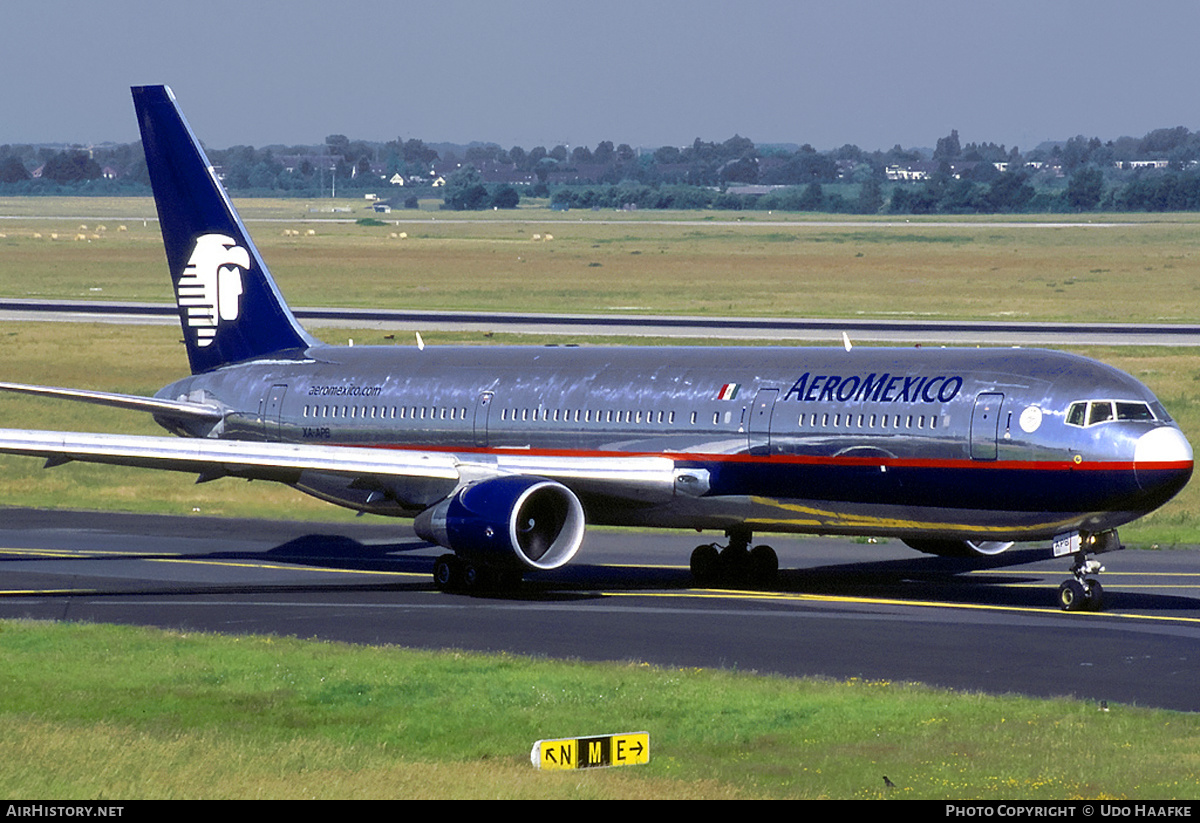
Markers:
<point>914,442</point>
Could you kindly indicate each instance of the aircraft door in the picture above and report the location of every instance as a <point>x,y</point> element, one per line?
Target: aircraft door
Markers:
<point>270,410</point>
<point>483,406</point>
<point>985,425</point>
<point>758,433</point>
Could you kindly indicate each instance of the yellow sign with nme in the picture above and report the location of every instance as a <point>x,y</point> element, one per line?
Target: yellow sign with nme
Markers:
<point>627,749</point>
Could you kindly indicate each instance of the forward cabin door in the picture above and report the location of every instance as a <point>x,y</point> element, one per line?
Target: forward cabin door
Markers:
<point>985,425</point>
<point>758,433</point>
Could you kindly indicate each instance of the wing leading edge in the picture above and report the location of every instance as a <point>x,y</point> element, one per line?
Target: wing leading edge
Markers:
<point>413,478</point>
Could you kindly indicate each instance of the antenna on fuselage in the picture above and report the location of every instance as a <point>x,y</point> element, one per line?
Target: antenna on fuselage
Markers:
<point>846,341</point>
<point>420,343</point>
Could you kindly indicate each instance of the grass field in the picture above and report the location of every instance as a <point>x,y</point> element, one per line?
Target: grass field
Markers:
<point>117,712</point>
<point>719,264</point>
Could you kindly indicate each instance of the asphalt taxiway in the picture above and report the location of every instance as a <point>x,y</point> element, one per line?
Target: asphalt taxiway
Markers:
<point>840,608</point>
<point>773,329</point>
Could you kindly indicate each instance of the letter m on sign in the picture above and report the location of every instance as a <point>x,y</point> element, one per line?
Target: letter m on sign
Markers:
<point>594,751</point>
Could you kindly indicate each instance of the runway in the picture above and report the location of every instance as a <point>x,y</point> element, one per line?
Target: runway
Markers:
<point>840,609</point>
<point>765,329</point>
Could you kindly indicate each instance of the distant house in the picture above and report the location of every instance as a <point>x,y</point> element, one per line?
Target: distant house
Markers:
<point>925,169</point>
<point>316,162</point>
<point>908,173</point>
<point>579,173</point>
<point>752,189</point>
<point>506,173</point>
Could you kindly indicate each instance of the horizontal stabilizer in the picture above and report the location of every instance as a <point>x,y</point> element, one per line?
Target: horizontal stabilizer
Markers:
<point>173,409</point>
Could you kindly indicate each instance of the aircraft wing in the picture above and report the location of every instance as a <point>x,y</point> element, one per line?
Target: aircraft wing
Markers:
<point>415,477</point>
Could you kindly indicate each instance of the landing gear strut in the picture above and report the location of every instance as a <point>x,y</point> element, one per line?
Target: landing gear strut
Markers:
<point>1082,592</point>
<point>736,562</point>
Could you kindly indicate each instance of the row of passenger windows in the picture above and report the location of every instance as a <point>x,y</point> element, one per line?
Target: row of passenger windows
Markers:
<point>589,416</point>
<point>823,420</point>
<point>1091,412</point>
<point>387,412</point>
<point>835,420</point>
<point>523,415</point>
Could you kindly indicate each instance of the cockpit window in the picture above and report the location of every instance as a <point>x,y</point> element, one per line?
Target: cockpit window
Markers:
<point>1091,412</point>
<point>1099,411</point>
<point>1134,411</point>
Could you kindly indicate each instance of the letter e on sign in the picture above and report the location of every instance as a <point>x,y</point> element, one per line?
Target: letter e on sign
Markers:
<point>630,749</point>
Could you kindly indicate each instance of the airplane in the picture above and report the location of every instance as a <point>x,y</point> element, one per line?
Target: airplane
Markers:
<point>504,455</point>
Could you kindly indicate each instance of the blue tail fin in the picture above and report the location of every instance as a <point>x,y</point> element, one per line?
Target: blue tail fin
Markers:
<point>229,306</point>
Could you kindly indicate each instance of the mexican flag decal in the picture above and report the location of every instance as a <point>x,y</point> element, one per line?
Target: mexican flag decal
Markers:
<point>729,391</point>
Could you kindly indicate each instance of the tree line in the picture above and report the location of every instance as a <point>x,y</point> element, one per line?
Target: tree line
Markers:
<point>1157,172</point>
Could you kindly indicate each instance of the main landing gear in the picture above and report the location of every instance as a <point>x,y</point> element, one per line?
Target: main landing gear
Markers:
<point>452,573</point>
<point>735,563</point>
<point>1083,592</point>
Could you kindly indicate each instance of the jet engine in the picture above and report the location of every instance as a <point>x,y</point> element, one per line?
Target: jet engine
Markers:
<point>529,522</point>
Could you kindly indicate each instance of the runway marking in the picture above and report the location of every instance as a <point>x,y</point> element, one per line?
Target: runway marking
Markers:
<point>66,554</point>
<point>281,567</point>
<point>719,594</point>
<point>44,592</point>
<point>48,552</point>
<point>1107,574</point>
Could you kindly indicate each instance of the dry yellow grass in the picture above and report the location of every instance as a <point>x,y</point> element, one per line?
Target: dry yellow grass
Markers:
<point>1144,271</point>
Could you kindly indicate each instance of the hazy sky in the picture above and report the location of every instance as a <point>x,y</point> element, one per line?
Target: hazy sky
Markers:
<point>649,73</point>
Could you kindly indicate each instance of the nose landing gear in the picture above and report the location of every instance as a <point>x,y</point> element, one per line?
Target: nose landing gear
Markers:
<point>1081,592</point>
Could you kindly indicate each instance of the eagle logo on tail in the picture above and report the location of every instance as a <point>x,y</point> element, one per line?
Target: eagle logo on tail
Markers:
<point>210,288</point>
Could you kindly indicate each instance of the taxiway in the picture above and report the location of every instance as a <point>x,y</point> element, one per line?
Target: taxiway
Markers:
<point>840,609</point>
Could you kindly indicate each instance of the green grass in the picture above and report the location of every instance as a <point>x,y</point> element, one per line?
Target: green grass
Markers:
<point>92,711</point>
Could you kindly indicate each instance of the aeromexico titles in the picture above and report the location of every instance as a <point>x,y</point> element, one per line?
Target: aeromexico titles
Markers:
<point>503,455</point>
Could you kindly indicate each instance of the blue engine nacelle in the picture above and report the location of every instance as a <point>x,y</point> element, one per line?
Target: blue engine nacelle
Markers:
<point>530,521</point>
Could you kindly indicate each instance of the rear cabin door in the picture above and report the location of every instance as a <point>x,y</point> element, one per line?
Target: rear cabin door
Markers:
<point>270,409</point>
<point>483,405</point>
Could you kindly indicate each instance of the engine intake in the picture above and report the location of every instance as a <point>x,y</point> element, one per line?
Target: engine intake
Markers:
<point>534,522</point>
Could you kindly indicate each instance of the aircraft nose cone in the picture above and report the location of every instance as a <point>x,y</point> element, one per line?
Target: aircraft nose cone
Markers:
<point>1162,458</point>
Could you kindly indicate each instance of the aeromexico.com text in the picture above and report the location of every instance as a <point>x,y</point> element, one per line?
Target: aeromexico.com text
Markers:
<point>345,391</point>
